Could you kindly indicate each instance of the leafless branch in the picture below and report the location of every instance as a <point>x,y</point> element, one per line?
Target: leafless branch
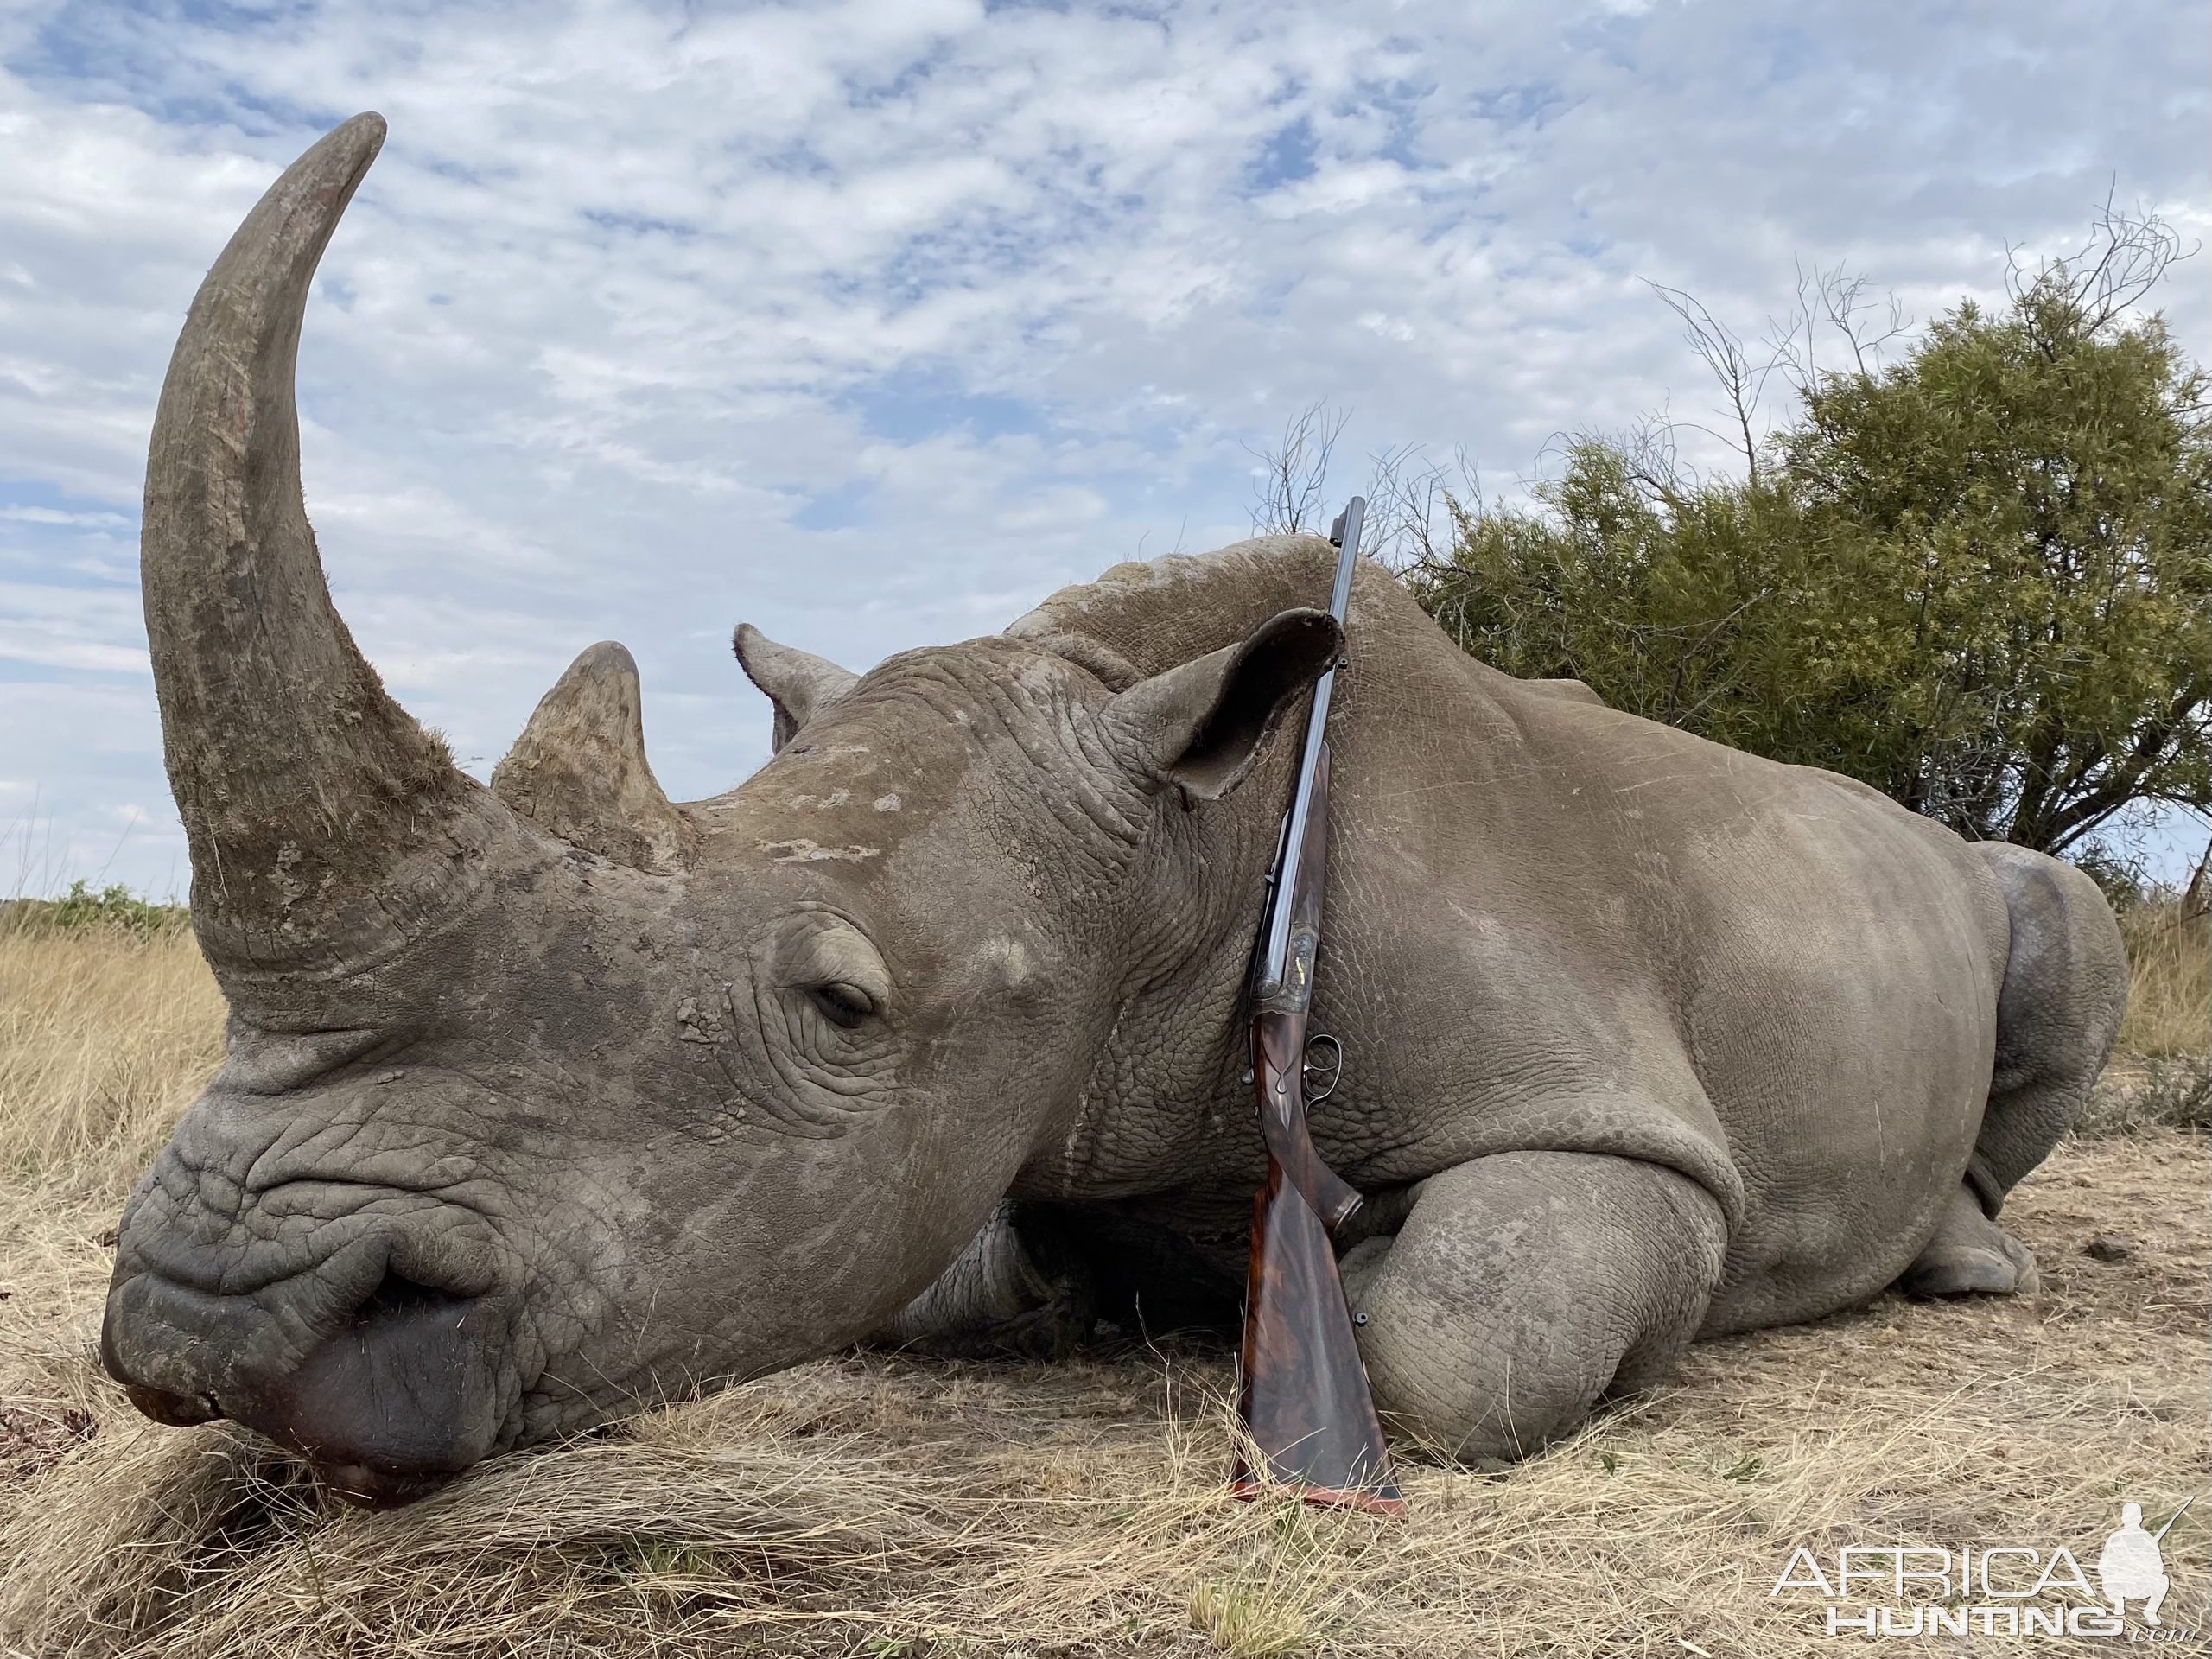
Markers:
<point>1845,302</point>
<point>2128,252</point>
<point>1741,371</point>
<point>1290,486</point>
<point>1410,505</point>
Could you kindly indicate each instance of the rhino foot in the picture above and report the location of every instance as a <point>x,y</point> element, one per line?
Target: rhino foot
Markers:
<point>1971,1256</point>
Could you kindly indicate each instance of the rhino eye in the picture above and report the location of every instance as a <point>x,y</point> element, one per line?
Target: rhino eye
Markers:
<point>842,1004</point>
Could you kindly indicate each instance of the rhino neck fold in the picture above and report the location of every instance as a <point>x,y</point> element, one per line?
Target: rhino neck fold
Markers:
<point>1179,1019</point>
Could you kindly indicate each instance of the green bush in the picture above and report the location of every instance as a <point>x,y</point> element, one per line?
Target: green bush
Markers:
<point>1979,578</point>
<point>115,908</point>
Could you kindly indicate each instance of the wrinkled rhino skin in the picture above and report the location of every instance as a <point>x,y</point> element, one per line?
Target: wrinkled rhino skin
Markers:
<point>551,1099</point>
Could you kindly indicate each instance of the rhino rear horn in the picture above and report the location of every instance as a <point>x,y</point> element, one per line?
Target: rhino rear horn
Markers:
<point>321,819</point>
<point>800,685</point>
<point>579,769</point>
<point>1202,725</point>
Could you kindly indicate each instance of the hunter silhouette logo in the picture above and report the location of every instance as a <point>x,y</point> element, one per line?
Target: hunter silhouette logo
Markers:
<point>2130,1567</point>
<point>1994,1589</point>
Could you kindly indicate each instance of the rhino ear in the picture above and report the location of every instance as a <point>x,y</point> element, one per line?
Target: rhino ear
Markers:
<point>1202,725</point>
<point>579,768</point>
<point>800,683</point>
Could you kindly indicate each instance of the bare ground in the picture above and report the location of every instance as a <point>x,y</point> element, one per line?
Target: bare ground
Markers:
<point>880,1505</point>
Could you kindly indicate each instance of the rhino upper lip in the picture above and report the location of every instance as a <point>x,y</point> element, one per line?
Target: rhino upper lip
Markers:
<point>388,1404</point>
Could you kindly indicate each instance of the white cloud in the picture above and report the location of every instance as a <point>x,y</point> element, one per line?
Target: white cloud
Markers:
<point>54,516</point>
<point>872,323</point>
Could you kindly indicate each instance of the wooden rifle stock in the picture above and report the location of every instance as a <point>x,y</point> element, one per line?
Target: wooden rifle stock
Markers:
<point>1301,1388</point>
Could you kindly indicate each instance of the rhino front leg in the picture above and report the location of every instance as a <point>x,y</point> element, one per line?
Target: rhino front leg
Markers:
<point>998,1297</point>
<point>1526,1285</point>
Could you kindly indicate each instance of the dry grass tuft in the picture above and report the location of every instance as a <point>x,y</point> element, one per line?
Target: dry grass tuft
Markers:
<point>880,1505</point>
<point>105,1036</point>
<point>2170,978</point>
<point>2171,1092</point>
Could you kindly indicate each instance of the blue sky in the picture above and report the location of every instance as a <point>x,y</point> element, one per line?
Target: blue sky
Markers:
<point>872,323</point>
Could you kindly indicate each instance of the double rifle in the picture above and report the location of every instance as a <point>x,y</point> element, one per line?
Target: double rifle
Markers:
<point>1301,1390</point>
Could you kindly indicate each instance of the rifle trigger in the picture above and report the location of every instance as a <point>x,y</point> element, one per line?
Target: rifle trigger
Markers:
<point>1308,1065</point>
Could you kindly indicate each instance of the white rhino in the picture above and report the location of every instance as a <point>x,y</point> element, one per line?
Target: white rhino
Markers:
<point>550,1098</point>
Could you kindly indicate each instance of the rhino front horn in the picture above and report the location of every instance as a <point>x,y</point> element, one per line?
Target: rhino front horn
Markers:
<point>579,769</point>
<point>322,820</point>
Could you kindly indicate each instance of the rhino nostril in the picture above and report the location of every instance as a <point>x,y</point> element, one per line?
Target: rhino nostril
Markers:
<point>397,1296</point>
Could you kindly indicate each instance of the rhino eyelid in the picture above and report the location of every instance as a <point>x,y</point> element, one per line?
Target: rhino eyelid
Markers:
<point>840,1003</point>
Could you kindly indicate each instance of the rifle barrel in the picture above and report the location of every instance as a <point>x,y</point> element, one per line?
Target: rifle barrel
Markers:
<point>1274,983</point>
<point>2159,1536</point>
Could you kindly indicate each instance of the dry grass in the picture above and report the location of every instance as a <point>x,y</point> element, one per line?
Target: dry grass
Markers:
<point>2170,981</point>
<point>104,1037</point>
<point>879,1505</point>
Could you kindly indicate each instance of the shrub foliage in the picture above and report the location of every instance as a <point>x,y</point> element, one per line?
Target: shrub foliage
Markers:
<point>1978,577</point>
<point>114,909</point>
